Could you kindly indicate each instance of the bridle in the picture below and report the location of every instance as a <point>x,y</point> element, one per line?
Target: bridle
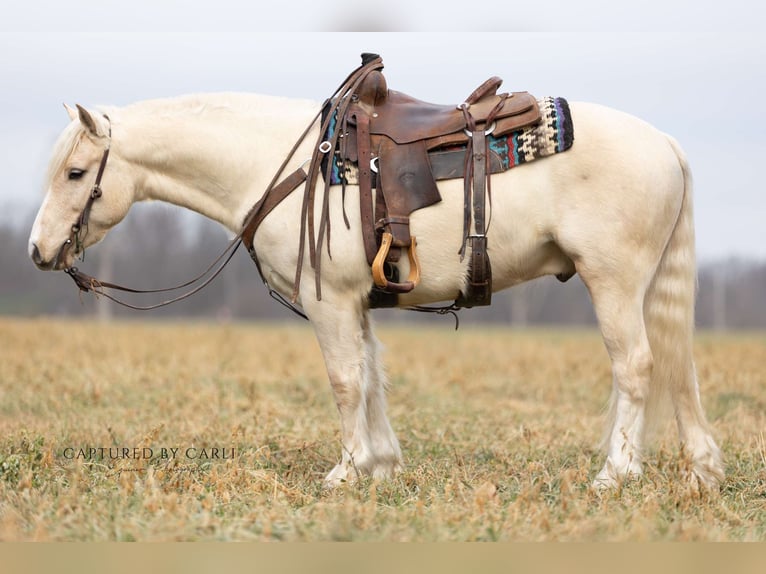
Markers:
<point>88,283</point>
<point>75,237</point>
<point>273,195</point>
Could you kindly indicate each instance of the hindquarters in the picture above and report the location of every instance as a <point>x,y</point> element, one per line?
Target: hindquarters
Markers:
<point>633,246</point>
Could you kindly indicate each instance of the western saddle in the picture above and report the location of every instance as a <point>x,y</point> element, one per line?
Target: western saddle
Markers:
<point>399,146</point>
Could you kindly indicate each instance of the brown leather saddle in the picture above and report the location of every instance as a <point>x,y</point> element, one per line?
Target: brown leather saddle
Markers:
<point>399,147</point>
<point>402,146</point>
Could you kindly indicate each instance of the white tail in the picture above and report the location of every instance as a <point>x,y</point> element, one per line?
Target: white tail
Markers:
<point>669,318</point>
<point>669,309</point>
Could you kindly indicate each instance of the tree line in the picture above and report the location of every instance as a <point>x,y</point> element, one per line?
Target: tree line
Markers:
<point>157,246</point>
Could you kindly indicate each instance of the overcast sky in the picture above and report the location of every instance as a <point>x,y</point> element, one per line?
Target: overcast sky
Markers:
<point>704,84</point>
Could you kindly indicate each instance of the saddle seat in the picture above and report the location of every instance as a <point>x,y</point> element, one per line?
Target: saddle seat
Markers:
<point>405,119</point>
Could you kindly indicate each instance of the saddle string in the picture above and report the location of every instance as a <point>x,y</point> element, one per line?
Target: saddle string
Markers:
<point>467,180</point>
<point>491,118</point>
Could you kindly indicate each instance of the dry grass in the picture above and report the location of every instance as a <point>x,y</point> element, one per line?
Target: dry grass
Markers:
<point>498,428</point>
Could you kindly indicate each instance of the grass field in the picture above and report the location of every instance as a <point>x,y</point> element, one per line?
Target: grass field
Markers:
<point>501,447</point>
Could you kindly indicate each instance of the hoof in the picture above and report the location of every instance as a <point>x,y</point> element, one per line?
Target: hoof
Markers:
<point>706,467</point>
<point>610,478</point>
<point>347,473</point>
<point>344,473</point>
<point>707,477</point>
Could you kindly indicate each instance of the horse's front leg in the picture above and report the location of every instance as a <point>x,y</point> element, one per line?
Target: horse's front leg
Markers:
<point>350,349</point>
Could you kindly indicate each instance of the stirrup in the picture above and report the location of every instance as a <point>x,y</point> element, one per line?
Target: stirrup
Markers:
<point>379,276</point>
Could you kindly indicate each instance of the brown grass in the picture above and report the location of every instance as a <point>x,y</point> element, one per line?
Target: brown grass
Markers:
<point>498,428</point>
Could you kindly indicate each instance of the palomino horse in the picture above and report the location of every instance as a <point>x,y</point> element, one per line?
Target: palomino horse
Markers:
<point>616,208</point>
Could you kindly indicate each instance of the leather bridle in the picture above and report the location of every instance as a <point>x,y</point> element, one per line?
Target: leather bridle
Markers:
<point>273,195</point>
<point>80,230</point>
<point>81,225</point>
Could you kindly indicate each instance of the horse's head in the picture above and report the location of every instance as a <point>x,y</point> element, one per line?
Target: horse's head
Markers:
<point>74,214</point>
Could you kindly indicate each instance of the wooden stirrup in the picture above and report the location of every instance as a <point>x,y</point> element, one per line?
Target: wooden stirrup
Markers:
<point>379,276</point>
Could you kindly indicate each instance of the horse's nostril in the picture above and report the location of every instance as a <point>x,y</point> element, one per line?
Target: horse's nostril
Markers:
<point>36,257</point>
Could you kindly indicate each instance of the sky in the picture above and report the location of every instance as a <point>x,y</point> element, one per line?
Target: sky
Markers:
<point>693,73</point>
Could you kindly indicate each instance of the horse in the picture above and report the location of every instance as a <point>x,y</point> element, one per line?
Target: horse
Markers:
<point>617,209</point>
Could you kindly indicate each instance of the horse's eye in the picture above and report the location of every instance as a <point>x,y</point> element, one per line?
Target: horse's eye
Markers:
<point>75,174</point>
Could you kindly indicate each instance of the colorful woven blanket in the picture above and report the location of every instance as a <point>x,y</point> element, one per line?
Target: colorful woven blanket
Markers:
<point>554,134</point>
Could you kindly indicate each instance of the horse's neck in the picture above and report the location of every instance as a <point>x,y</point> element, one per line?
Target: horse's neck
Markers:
<point>212,154</point>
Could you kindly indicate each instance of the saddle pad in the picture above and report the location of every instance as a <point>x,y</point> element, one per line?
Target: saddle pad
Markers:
<point>554,134</point>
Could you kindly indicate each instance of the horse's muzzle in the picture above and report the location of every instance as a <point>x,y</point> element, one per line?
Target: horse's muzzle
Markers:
<point>41,263</point>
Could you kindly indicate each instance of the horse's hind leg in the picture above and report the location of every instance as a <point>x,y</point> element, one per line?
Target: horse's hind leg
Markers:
<point>618,302</point>
<point>350,349</point>
<point>621,319</point>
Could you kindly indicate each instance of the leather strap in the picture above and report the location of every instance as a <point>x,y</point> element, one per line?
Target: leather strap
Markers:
<point>273,195</point>
<point>266,205</point>
<point>479,287</point>
<point>338,106</point>
<point>479,290</point>
<point>257,214</point>
<point>488,87</point>
<point>82,221</point>
<point>479,181</point>
<point>365,186</point>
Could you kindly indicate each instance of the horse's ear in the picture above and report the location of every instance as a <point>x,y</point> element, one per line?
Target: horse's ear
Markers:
<point>73,115</point>
<point>89,121</point>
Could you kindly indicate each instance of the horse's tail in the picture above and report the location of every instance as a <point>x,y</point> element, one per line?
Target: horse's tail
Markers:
<point>669,314</point>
